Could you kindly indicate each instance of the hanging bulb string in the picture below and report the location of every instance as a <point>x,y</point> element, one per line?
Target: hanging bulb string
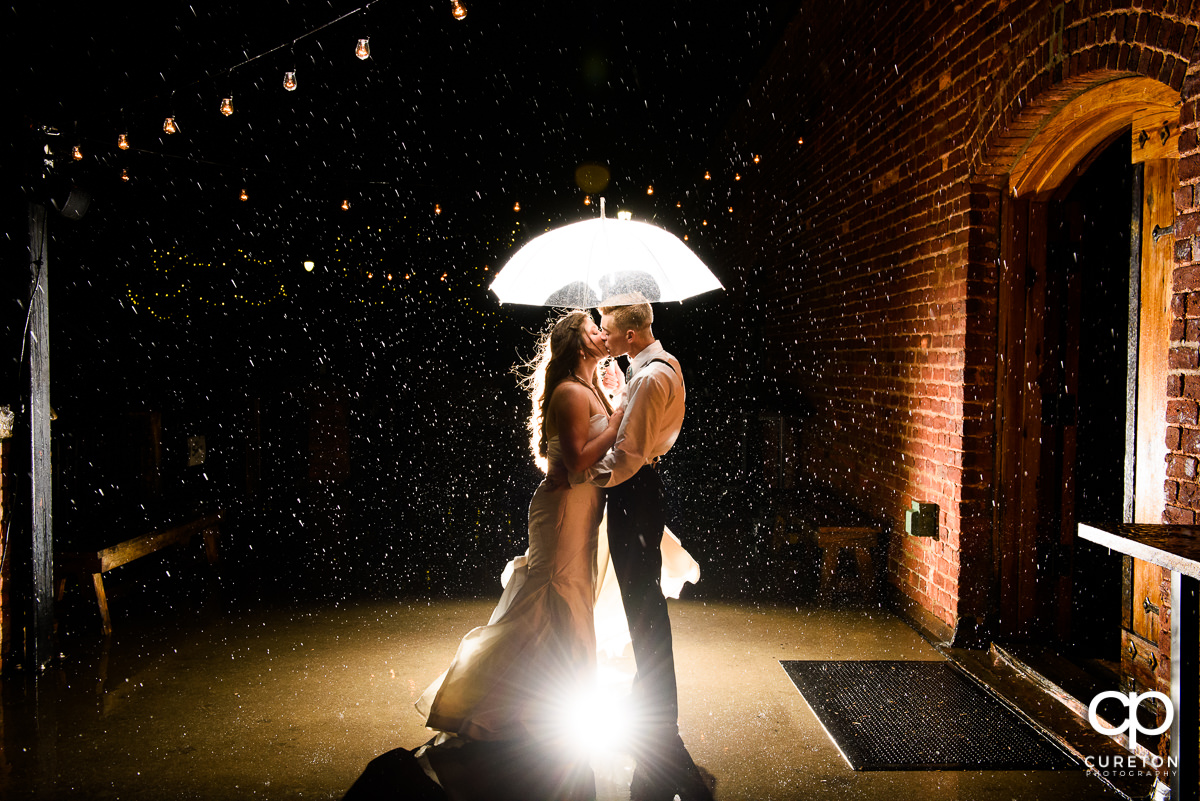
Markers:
<point>228,70</point>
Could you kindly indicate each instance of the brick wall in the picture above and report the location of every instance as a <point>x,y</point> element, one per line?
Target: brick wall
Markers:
<point>1183,385</point>
<point>869,228</point>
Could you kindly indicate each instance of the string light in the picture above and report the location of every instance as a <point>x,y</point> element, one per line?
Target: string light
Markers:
<point>800,141</point>
<point>170,291</point>
<point>707,175</point>
<point>650,190</point>
<point>290,82</point>
<point>737,176</point>
<point>517,206</point>
<point>345,205</point>
<point>757,158</point>
<point>309,265</point>
<point>587,200</point>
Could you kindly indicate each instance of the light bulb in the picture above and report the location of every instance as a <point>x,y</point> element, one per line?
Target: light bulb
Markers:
<point>245,195</point>
<point>308,266</point>
<point>649,190</point>
<point>363,50</point>
<point>737,176</point>
<point>123,141</point>
<point>707,175</point>
<point>458,10</point>
<point>345,205</point>
<point>516,207</point>
<point>169,126</point>
<point>437,209</point>
<point>227,106</point>
<point>289,81</point>
<point>800,141</point>
<point>76,153</point>
<point>757,158</point>
<point>587,200</point>
<point>125,175</point>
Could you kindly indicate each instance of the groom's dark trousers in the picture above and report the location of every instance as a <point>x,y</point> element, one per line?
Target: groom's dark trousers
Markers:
<point>636,518</point>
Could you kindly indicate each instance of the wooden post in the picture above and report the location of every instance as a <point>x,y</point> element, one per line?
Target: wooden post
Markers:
<point>40,647</point>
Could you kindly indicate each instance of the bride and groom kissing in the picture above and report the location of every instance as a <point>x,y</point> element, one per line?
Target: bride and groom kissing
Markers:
<point>600,437</point>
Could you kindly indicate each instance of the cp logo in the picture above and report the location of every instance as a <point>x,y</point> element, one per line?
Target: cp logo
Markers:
<point>1133,701</point>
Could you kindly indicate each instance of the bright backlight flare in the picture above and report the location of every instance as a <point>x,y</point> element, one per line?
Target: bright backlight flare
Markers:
<point>598,721</point>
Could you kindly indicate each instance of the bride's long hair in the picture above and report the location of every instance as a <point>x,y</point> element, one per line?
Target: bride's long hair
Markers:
<point>558,354</point>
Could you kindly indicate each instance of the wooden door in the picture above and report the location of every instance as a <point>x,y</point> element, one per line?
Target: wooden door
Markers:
<point>1019,412</point>
<point>1143,595</point>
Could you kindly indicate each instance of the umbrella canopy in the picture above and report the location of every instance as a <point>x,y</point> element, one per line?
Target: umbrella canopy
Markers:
<point>602,262</point>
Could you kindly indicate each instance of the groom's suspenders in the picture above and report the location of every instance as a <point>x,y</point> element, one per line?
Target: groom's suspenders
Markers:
<point>664,361</point>
<point>654,462</point>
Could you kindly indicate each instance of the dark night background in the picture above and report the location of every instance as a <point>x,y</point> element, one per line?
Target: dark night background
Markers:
<point>362,425</point>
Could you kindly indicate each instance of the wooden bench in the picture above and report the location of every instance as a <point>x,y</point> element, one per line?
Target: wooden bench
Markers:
<point>100,562</point>
<point>831,540</point>
<point>816,517</point>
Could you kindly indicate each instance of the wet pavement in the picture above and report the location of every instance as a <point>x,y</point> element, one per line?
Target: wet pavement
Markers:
<point>222,699</point>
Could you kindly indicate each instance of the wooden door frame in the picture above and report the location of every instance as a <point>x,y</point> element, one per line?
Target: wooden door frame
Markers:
<point>1058,147</point>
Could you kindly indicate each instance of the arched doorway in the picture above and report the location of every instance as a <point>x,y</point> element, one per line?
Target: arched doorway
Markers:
<point>1111,146</point>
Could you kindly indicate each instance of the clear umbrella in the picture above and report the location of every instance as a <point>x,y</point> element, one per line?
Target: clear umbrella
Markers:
<point>603,262</point>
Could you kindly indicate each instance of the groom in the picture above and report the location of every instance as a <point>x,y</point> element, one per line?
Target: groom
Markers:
<point>654,405</point>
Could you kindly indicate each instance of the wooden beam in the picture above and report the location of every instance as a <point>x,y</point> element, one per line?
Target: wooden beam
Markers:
<point>40,647</point>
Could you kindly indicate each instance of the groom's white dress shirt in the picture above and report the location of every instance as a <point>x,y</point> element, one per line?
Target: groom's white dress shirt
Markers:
<point>654,405</point>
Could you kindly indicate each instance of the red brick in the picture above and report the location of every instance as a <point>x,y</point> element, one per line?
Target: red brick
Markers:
<point>1183,412</point>
<point>1183,358</point>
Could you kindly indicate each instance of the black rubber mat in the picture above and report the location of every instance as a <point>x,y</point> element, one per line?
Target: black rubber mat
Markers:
<point>892,715</point>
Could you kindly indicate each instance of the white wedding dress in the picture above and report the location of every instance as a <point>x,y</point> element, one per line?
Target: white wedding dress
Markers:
<point>514,677</point>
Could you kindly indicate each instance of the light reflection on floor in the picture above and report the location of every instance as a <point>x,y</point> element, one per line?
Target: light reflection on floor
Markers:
<point>293,701</point>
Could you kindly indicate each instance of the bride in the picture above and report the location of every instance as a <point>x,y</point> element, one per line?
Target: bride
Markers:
<point>513,677</point>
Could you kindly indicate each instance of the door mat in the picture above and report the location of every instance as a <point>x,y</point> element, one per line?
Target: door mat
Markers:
<point>896,715</point>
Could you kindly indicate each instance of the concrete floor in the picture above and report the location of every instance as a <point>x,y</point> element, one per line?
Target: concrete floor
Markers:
<point>289,701</point>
